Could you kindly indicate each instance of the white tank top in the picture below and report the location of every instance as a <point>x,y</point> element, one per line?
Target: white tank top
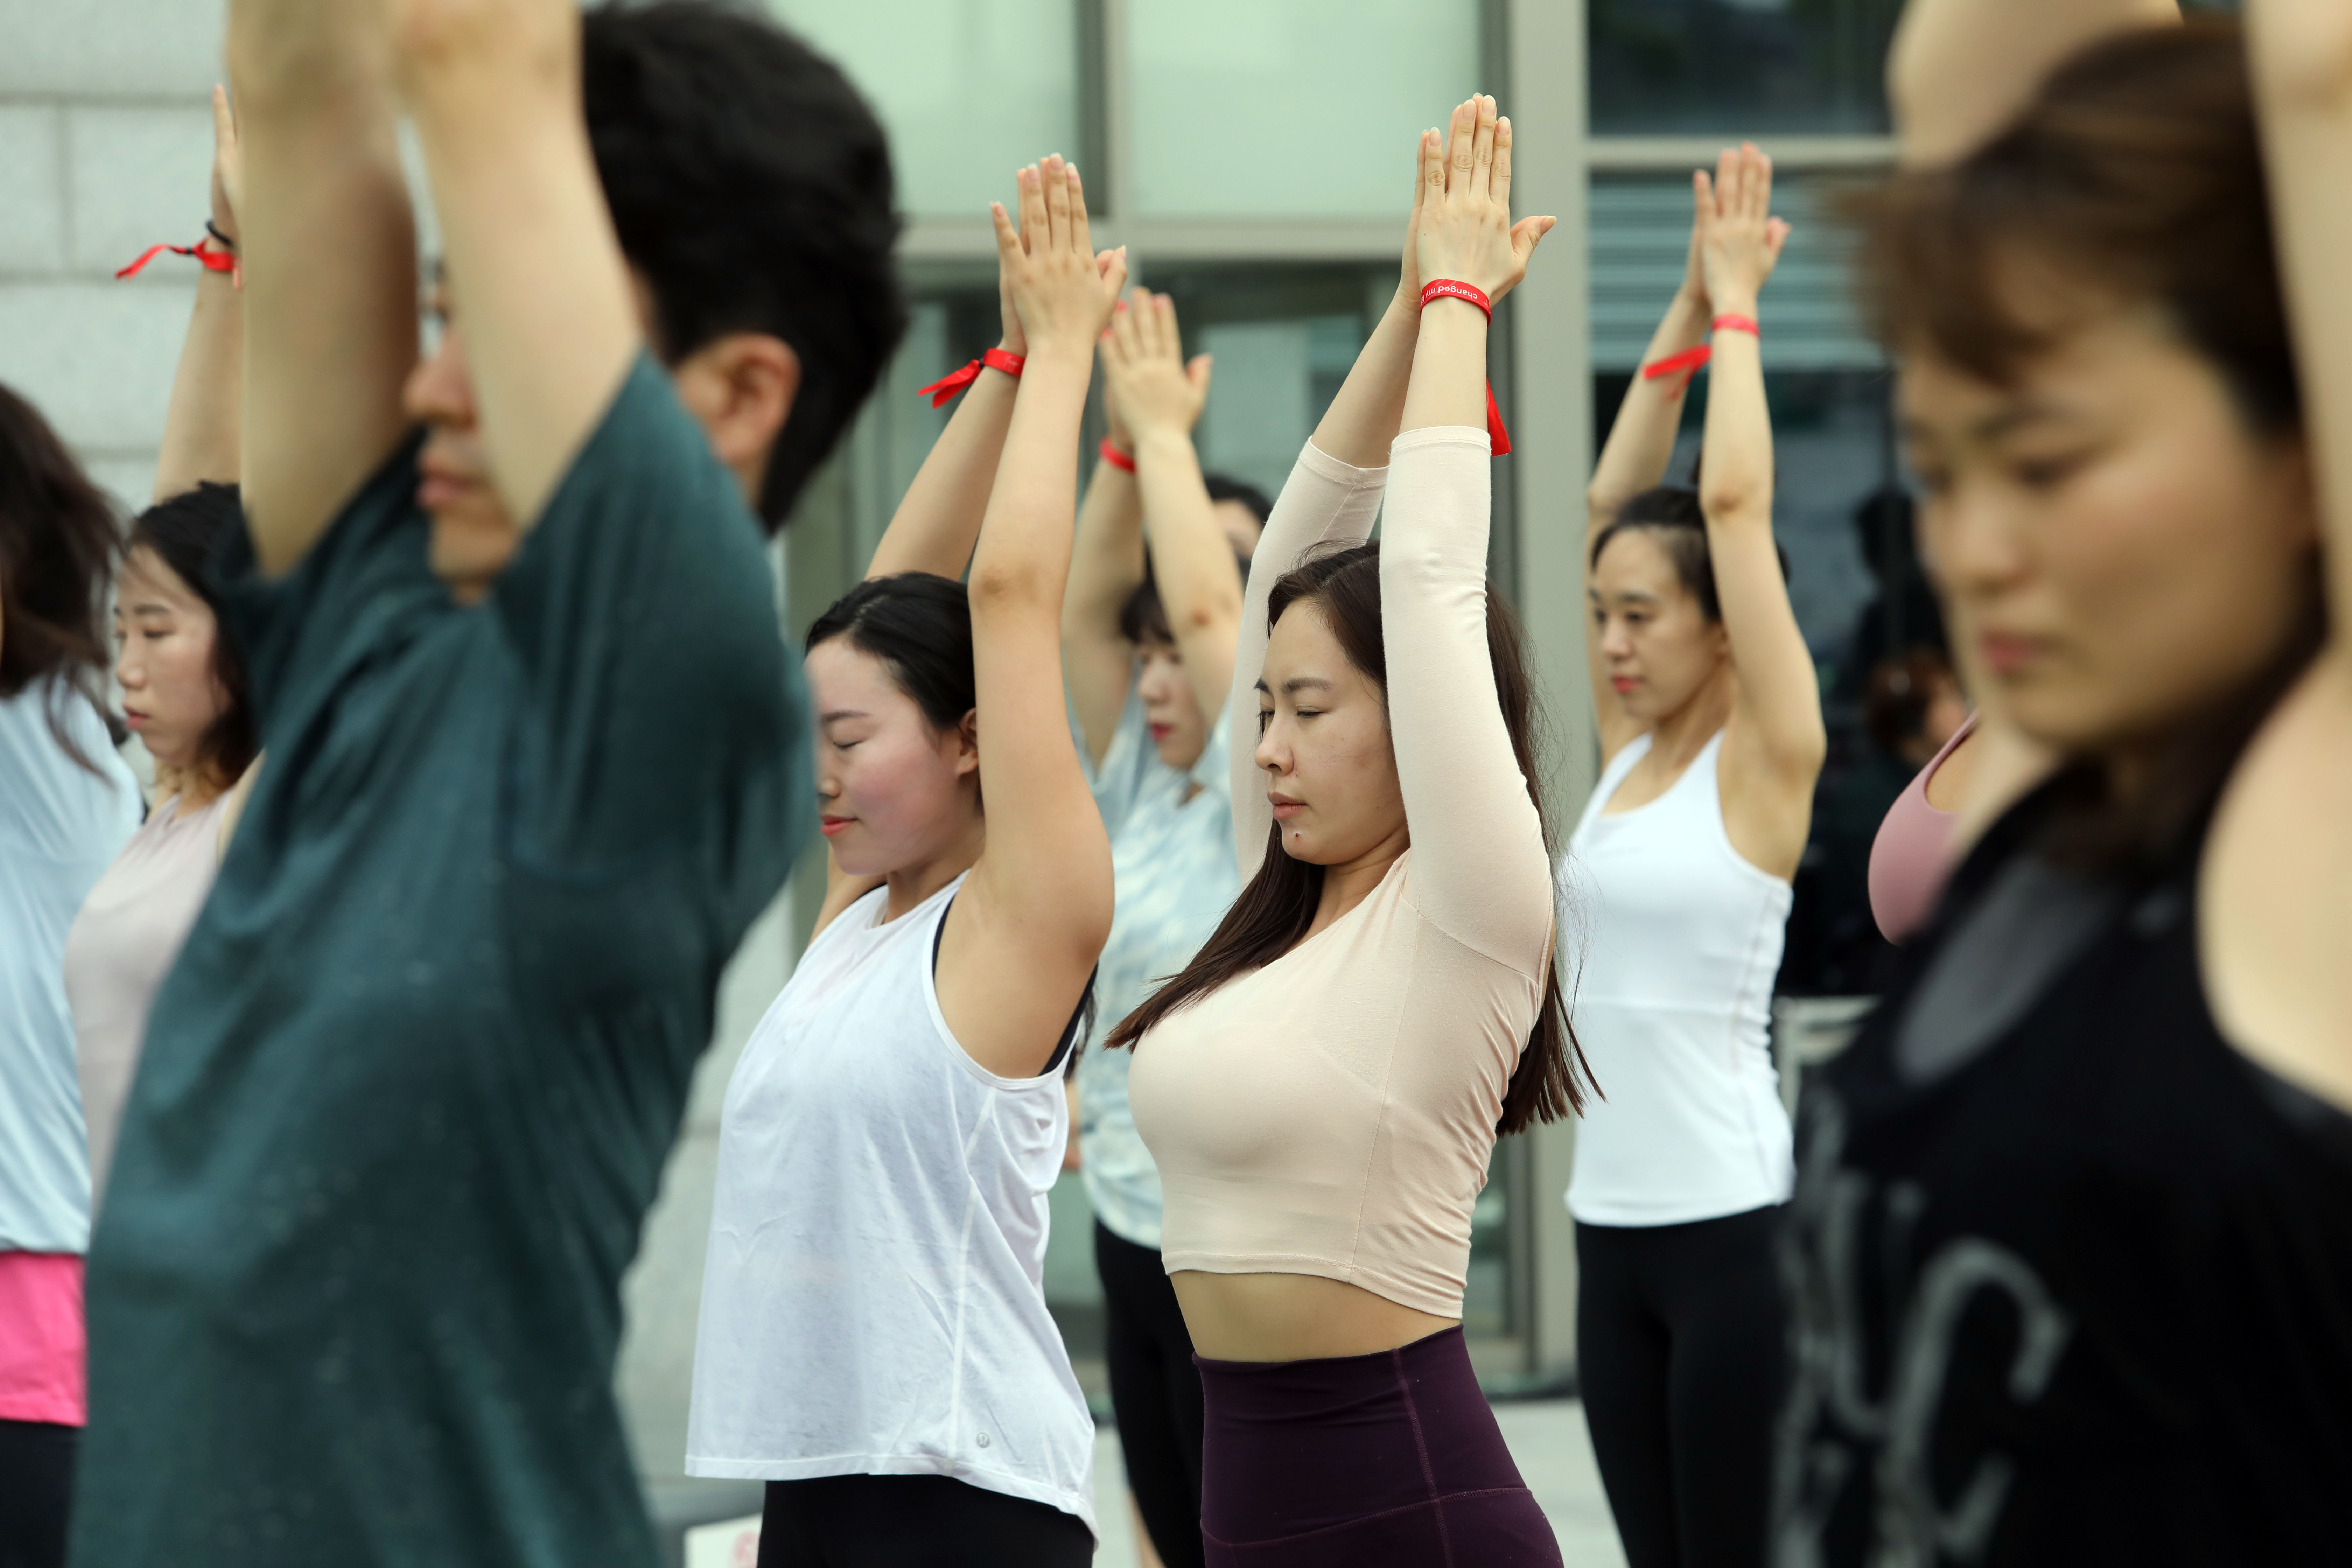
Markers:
<point>874,1302</point>
<point>1673,941</point>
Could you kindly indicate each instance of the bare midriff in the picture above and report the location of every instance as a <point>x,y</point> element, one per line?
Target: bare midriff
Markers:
<point>1293,1317</point>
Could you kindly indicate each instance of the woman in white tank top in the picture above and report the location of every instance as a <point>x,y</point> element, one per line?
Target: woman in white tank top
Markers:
<point>1674,895</point>
<point>873,1339</point>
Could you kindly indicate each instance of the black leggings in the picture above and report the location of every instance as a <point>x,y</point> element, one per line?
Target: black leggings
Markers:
<point>914,1521</point>
<point>1155,1391</point>
<point>1679,1343</point>
<point>36,1467</point>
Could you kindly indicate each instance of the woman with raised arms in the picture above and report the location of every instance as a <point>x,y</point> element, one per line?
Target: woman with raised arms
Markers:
<point>1675,893</point>
<point>1321,1086</point>
<point>874,1341</point>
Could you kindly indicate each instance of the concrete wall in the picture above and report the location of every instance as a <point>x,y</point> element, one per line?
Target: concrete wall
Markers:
<point>105,148</point>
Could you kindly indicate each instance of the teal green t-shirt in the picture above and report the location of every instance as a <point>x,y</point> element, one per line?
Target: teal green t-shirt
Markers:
<point>354,1297</point>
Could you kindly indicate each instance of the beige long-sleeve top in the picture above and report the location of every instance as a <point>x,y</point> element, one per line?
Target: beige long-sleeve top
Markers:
<point>1332,1113</point>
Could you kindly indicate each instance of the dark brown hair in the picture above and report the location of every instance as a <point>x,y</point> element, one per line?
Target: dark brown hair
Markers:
<point>1274,913</point>
<point>2136,173</point>
<point>1671,515</point>
<point>56,551</point>
<point>1143,618</point>
<point>182,532</point>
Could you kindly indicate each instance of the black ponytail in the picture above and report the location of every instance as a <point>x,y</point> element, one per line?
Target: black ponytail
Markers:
<point>920,625</point>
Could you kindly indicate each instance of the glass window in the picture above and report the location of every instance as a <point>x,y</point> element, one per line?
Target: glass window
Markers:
<point>970,89</point>
<point>1667,67</point>
<point>1292,108</point>
<point>1640,238</point>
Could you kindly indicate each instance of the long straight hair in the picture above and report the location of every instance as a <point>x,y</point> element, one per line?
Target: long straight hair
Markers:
<point>57,546</point>
<point>1274,913</point>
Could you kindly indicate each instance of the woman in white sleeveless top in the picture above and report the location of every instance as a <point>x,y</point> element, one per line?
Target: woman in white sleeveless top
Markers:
<point>1674,896</point>
<point>873,1339</point>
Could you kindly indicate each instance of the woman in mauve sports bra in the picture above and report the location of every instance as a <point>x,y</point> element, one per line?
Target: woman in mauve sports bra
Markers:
<point>1675,894</point>
<point>2070,1258</point>
<point>1322,1085</point>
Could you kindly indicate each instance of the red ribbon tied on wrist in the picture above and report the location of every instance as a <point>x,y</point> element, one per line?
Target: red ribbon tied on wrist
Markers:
<point>1123,461</point>
<point>1470,293</point>
<point>214,260</point>
<point>955,380</point>
<point>1688,360</point>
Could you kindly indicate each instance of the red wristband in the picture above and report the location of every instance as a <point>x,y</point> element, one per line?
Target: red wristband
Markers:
<point>1123,461</point>
<point>955,380</point>
<point>1688,360</point>
<point>212,261</point>
<point>1454,289</point>
<point>1729,323</point>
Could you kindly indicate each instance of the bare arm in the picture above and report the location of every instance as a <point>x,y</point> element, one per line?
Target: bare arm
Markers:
<point>1096,662</point>
<point>1024,936</point>
<point>329,250</point>
<point>1776,726</point>
<point>1640,446</point>
<point>202,427</point>
<point>1191,560</point>
<point>533,265</point>
<point>937,525</point>
<point>1958,70</point>
<point>2302,58</point>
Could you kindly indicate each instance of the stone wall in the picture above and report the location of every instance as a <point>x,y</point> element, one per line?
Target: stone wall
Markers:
<point>105,148</point>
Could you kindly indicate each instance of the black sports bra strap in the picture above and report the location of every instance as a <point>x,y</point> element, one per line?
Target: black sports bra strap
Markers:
<point>1070,1031</point>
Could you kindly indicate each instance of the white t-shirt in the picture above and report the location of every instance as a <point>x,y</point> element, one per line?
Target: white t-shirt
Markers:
<point>874,1302</point>
<point>1171,851</point>
<point>60,825</point>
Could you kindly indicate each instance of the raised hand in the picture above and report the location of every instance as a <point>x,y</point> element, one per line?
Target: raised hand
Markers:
<point>1463,219</point>
<point>1409,275</point>
<point>1739,240</point>
<point>1155,390</point>
<point>1062,291</point>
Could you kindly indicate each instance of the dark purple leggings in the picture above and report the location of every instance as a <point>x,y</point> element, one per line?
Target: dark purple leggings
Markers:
<point>1392,1458</point>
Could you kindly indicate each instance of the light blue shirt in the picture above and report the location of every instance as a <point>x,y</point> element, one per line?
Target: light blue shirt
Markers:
<point>1171,851</point>
<point>61,825</point>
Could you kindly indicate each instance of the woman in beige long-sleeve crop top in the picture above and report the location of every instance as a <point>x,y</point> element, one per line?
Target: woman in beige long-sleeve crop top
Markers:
<point>1322,1087</point>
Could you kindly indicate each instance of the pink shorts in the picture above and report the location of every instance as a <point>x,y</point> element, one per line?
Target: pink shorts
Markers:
<point>41,1346</point>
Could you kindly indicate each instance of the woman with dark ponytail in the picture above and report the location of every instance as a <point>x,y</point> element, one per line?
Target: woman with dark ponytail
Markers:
<point>1675,888</point>
<point>875,1344</point>
<point>1322,1085</point>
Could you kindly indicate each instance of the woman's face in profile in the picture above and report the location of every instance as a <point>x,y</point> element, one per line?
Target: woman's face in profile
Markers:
<point>1324,746</point>
<point>2116,546</point>
<point>163,632</point>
